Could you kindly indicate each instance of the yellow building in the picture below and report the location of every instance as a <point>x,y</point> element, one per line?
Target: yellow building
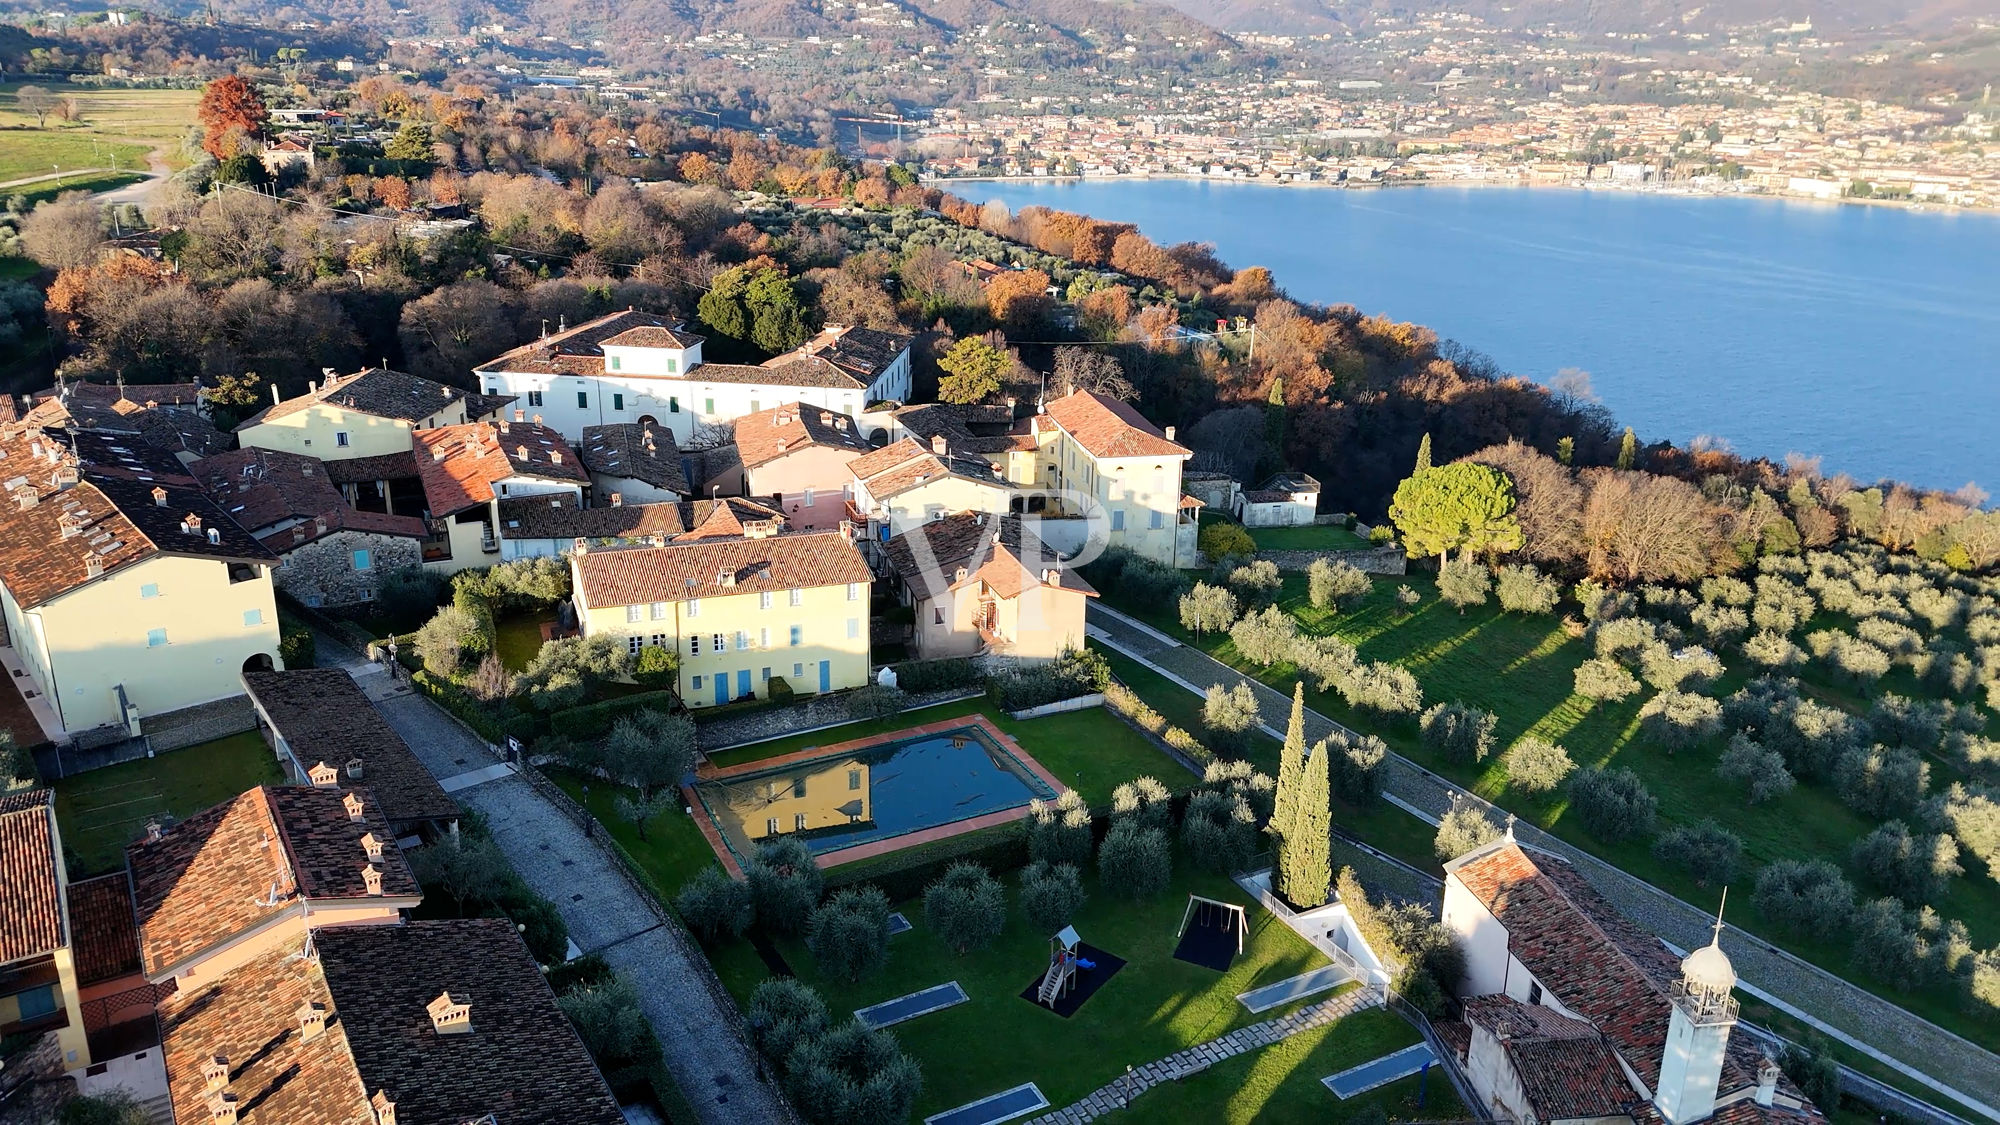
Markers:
<point>468,471</point>
<point>367,414</point>
<point>905,484</point>
<point>739,611</point>
<point>979,584</point>
<point>1106,450</point>
<point>127,599</point>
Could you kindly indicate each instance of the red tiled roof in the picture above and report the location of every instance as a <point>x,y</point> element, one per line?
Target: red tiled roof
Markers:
<point>683,569</point>
<point>460,465</point>
<point>901,466</point>
<point>262,488</point>
<point>324,716</point>
<point>31,920</point>
<point>767,435</point>
<point>1106,427</point>
<point>106,937</point>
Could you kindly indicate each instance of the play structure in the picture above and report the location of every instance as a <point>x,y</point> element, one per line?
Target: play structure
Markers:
<point>1076,969</point>
<point>1064,960</point>
<point>1211,933</point>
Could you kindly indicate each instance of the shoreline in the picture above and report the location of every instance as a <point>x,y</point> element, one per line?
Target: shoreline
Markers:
<point>1919,207</point>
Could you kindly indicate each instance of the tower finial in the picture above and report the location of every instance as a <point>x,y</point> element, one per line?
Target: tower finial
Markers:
<point>1510,828</point>
<point>1717,939</point>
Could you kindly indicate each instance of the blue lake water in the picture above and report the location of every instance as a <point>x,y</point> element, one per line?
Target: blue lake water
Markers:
<point>1867,335</point>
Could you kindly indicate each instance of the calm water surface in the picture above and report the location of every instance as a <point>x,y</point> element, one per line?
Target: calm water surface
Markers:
<point>1868,335</point>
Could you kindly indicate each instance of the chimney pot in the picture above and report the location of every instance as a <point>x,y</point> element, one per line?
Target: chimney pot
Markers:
<point>154,832</point>
<point>617,499</point>
<point>1170,433</point>
<point>372,845</point>
<point>938,445</point>
<point>384,1107</point>
<point>371,879</point>
<point>354,807</point>
<point>323,776</point>
<point>520,415</point>
<point>215,1074</point>
<point>448,1016</point>
<point>159,497</point>
<point>312,1020</point>
<point>222,1109</point>
<point>355,768</point>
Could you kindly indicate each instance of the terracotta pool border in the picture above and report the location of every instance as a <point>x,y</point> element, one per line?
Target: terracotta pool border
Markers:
<point>887,844</point>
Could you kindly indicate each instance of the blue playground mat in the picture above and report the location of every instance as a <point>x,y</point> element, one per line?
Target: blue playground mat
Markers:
<point>1379,1072</point>
<point>1294,988</point>
<point>899,924</point>
<point>933,999</point>
<point>1003,1106</point>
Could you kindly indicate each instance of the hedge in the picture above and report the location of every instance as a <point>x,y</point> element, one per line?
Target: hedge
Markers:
<point>593,719</point>
<point>1126,704</point>
<point>492,727</point>
<point>936,675</point>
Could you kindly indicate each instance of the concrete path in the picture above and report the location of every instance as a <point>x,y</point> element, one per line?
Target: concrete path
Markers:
<point>605,913</point>
<point>1893,1036</point>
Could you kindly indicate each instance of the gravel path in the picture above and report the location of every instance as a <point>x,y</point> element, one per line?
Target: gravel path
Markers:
<point>1917,1047</point>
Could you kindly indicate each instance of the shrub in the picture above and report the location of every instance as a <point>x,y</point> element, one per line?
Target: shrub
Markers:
<point>785,1012</point>
<point>1770,649</point>
<point>1059,831</point>
<point>1613,804</point>
<point>612,1026</point>
<point>1687,669</point>
<point>1901,721</point>
<point>1219,831</point>
<point>1756,767</point>
<point>1720,624</point>
<point>1050,895</point>
<point>1524,589</point>
<point>1144,800</point>
<point>593,720</point>
<point>1407,597</point>
<point>1381,535</point>
<point>876,701</point>
<point>1135,576</point>
<point>966,907</point>
<point>1208,609</point>
<point>1355,768</point>
<point>1706,851</point>
<point>296,646</point>
<point>1242,779</point>
<point>1074,672</point>
<point>1255,581</point>
<point>1265,637</point>
<point>566,671</point>
<point>1882,781</point>
<point>1229,717</point>
<point>1675,721</point>
<point>1813,1069</point>
<point>1336,584</point>
<point>848,934</point>
<point>1135,861</point>
<point>1723,590</point>
<point>450,637</point>
<point>1464,583</point>
<point>115,1106</point>
<point>1804,896</point>
<point>1221,539</point>
<point>1384,689</point>
<point>785,884</point>
<point>922,676</point>
<point>1536,765</point>
<point>1462,829</point>
<point>715,906</point>
<point>1328,660</point>
<point>650,750</point>
<point>410,592</point>
<point>1916,869</point>
<point>1972,815</point>
<point>1605,680</point>
<point>1457,732</point>
<point>852,1076</point>
<point>1893,945</point>
<point>655,666</point>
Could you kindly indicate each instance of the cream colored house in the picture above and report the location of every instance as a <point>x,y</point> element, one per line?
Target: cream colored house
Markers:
<point>367,414</point>
<point>900,486</point>
<point>467,471</point>
<point>1107,451</point>
<point>126,600</point>
<point>980,583</point>
<point>796,457</point>
<point>738,610</point>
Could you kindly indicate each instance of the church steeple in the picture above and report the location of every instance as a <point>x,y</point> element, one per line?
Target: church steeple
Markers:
<point>1698,1032</point>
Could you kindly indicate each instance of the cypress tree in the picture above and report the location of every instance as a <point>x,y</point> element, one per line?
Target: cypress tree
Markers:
<point>1566,450</point>
<point>1424,453</point>
<point>1291,764</point>
<point>1305,864</point>
<point>1628,450</point>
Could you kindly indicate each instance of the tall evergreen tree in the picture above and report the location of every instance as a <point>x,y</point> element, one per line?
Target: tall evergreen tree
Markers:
<point>1291,765</point>
<point>1628,450</point>
<point>1424,453</point>
<point>1305,865</point>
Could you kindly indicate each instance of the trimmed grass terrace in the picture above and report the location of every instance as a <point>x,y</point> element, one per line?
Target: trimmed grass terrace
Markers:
<point>102,811</point>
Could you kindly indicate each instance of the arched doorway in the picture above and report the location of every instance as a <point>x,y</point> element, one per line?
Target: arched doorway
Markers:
<point>648,421</point>
<point>259,662</point>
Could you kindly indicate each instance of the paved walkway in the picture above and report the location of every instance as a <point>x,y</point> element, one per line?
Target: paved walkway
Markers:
<point>1918,1048</point>
<point>605,913</point>
<point>1201,1056</point>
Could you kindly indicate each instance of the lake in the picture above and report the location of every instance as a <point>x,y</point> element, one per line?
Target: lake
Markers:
<point>1867,335</point>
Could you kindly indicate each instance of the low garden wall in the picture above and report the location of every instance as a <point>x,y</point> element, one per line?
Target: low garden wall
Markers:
<point>1378,560</point>
<point>1080,703</point>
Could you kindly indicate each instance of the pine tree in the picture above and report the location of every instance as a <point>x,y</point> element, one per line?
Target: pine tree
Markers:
<point>1628,450</point>
<point>1424,453</point>
<point>1566,450</point>
<point>1306,862</point>
<point>1291,764</point>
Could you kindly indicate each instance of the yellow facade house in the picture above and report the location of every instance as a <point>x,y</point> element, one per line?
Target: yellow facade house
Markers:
<point>981,584</point>
<point>739,611</point>
<point>127,599</point>
<point>908,483</point>
<point>370,413</point>
<point>1108,451</point>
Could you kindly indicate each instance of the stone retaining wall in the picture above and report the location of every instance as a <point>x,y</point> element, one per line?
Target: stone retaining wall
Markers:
<point>1390,561</point>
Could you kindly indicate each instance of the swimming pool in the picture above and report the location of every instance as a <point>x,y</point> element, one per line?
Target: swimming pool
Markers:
<point>858,793</point>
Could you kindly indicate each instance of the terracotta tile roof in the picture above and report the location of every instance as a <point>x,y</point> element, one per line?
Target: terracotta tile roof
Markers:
<point>767,435</point>
<point>728,518</point>
<point>792,369</point>
<point>170,428</point>
<point>1566,1067</point>
<point>1106,427</point>
<point>250,860</point>
<point>324,716</point>
<point>344,519</point>
<point>106,938</point>
<point>262,487</point>
<point>144,394</point>
<point>522,1062</point>
<point>650,336</point>
<point>862,352</point>
<point>708,466</point>
<point>460,465</point>
<point>31,918</point>
<point>928,558</point>
<point>580,350</point>
<point>376,391</point>
<point>699,569</point>
<point>126,455</point>
<point>482,406</point>
<point>623,450</point>
<point>901,466</point>
<point>557,517</point>
<point>382,466</point>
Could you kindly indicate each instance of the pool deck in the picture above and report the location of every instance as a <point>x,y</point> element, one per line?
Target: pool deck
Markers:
<point>888,844</point>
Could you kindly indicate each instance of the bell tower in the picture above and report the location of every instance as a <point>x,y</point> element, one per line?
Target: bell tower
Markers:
<point>1697,1033</point>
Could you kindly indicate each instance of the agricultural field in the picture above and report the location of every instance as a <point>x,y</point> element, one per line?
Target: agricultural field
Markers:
<point>117,129</point>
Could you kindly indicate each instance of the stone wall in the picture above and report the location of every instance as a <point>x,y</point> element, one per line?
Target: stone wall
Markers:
<point>321,573</point>
<point>1389,561</point>
<point>203,722</point>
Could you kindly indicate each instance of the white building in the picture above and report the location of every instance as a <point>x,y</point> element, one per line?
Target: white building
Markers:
<point>1286,500</point>
<point>642,367</point>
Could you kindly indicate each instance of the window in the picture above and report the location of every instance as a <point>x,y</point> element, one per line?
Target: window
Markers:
<point>767,675</point>
<point>764,641</point>
<point>582,399</point>
<point>694,607</point>
<point>771,826</point>
<point>799,822</point>
<point>809,497</point>
<point>742,641</point>
<point>632,613</point>
<point>1534,992</point>
<point>798,670</point>
<point>854,591</point>
<point>764,600</point>
<point>695,683</point>
<point>150,590</point>
<point>253,617</point>
<point>798,596</point>
<point>708,406</point>
<point>798,635</point>
<point>617,363</point>
<point>694,649</point>
<point>340,438</point>
<point>755,406</point>
<point>363,560</point>
<point>853,628</point>
<point>673,365</point>
<point>155,638</point>
<point>718,643</point>
<point>1117,519</point>
<point>937,615</point>
<point>1157,521</point>
<point>659,640</point>
<point>659,611</point>
<point>853,780</point>
<point>36,1002</point>
<point>634,643</point>
<point>673,402</point>
<point>617,402</point>
<point>799,790</point>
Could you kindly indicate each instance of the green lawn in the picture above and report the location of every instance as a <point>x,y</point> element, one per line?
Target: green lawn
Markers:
<point>1152,1008</point>
<point>92,182</point>
<point>518,638</point>
<point>674,849</point>
<point>102,811</point>
<point>1520,668</point>
<point>1314,538</point>
<point>1280,1085</point>
<point>117,130</point>
<point>18,269</point>
<point>27,151</point>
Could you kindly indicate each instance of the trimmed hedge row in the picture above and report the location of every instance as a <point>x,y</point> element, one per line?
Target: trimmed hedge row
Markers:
<point>594,719</point>
<point>919,676</point>
<point>1126,704</point>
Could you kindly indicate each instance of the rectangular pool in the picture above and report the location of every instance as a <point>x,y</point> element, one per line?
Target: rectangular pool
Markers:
<point>845,796</point>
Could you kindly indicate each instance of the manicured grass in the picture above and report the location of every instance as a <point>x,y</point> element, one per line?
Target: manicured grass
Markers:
<point>518,638</point>
<point>1152,1008</point>
<point>673,850</point>
<point>1314,538</point>
<point>102,811</point>
<point>92,182</point>
<point>27,151</point>
<point>1771,1019</point>
<point>18,269</point>
<point>1280,1085</point>
<point>123,124</point>
<point>1521,669</point>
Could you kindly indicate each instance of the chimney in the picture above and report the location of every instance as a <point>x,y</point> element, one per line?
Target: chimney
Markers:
<point>154,832</point>
<point>520,453</point>
<point>312,1020</point>
<point>847,529</point>
<point>1767,1082</point>
<point>555,456</point>
<point>93,567</point>
<point>538,419</point>
<point>371,880</point>
<point>938,445</point>
<point>222,1109</point>
<point>520,415</point>
<point>444,390</point>
<point>276,396</point>
<point>354,807</point>
<point>159,497</point>
<point>355,768</point>
<point>319,526</point>
<point>215,534</point>
<point>826,418</point>
<point>503,426</point>
<point>437,452</point>
<point>372,846</point>
<point>1052,577</point>
<point>323,776</point>
<point>1170,433</point>
<point>26,497</point>
<point>617,499</point>
<point>448,1016</point>
<point>384,1107</point>
<point>215,1074</point>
